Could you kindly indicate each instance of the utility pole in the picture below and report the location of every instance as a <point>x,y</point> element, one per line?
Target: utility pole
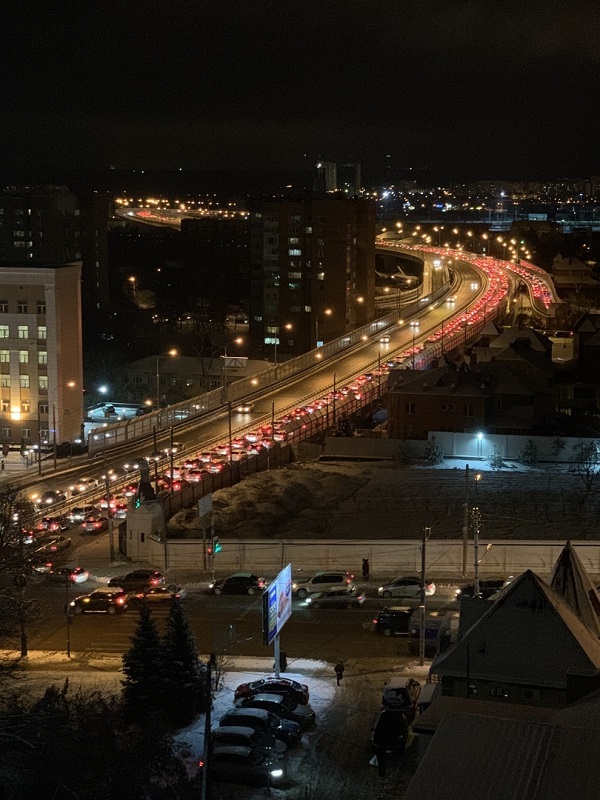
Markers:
<point>476,527</point>
<point>68,617</point>
<point>111,539</point>
<point>207,730</point>
<point>426,535</point>
<point>54,433</point>
<point>466,524</point>
<point>171,460</point>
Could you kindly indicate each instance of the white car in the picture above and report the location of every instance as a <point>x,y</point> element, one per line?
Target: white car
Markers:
<point>82,485</point>
<point>406,587</point>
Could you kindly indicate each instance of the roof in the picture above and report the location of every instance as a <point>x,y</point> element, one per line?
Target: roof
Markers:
<point>571,581</point>
<point>474,757</point>
<point>441,381</point>
<point>508,336</point>
<point>529,636</point>
<point>430,719</point>
<point>585,713</point>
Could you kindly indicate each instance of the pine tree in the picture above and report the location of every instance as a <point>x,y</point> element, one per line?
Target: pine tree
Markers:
<point>143,668</point>
<point>184,687</point>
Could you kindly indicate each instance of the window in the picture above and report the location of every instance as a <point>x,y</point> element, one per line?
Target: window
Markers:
<point>41,331</point>
<point>23,331</point>
<point>43,407</point>
<point>24,381</point>
<point>4,332</point>
<point>294,275</point>
<point>293,286</point>
<point>6,405</point>
<point>293,240</point>
<point>448,406</point>
<point>25,406</point>
<point>43,379</point>
<point>4,306</point>
<point>23,356</point>
<point>41,307</point>
<point>410,408</point>
<point>44,435</point>
<point>4,356</point>
<point>21,306</point>
<point>294,252</point>
<point>320,276</point>
<point>26,433</point>
<point>6,433</point>
<point>42,357</point>
<point>5,381</point>
<point>308,229</point>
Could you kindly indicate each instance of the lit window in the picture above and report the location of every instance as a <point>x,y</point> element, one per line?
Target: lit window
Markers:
<point>23,356</point>
<point>4,332</point>
<point>294,275</point>
<point>42,357</point>
<point>320,276</point>
<point>294,252</point>
<point>42,330</point>
<point>24,381</point>
<point>4,356</point>
<point>5,381</point>
<point>43,379</point>
<point>25,433</point>
<point>6,405</point>
<point>25,406</point>
<point>23,331</point>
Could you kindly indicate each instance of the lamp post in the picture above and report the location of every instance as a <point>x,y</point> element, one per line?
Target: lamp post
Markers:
<point>173,352</point>
<point>288,327</point>
<point>225,356</point>
<point>328,312</point>
<point>414,325</point>
<point>111,540</point>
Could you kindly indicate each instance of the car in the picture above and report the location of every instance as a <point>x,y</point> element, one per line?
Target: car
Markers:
<point>389,729</point>
<point>79,513</point>
<point>53,524</point>
<point>244,408</point>
<point>406,587</point>
<point>95,523</point>
<point>63,575</point>
<point>263,741</point>
<point>243,764</point>
<point>487,588</point>
<point>336,597</point>
<point>138,579</point>
<point>50,545</point>
<point>51,497</point>
<point>385,339</point>
<point>273,685</point>
<point>280,705</point>
<point>82,485</point>
<point>288,732</point>
<point>320,580</point>
<point>394,620</point>
<point>401,694</point>
<point>196,475</point>
<point>158,594</point>
<point>239,583</point>
<point>100,601</point>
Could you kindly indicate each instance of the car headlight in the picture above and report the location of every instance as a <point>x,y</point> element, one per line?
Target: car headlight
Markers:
<point>276,773</point>
<point>380,590</point>
<point>294,586</point>
<point>72,603</point>
<point>211,586</point>
<point>308,601</point>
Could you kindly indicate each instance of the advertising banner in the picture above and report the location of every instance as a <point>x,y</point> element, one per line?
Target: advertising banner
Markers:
<point>277,604</point>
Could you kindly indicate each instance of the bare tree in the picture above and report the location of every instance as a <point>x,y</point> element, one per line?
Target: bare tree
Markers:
<point>585,462</point>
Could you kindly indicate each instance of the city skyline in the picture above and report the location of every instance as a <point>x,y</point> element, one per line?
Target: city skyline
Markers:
<point>454,89</point>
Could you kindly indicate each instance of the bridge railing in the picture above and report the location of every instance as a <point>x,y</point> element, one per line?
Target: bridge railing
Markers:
<point>180,414</point>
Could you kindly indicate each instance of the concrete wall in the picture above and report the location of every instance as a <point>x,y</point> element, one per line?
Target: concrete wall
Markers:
<point>386,558</point>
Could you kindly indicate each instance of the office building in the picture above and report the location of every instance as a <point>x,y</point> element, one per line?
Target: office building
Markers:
<point>325,177</point>
<point>41,374</point>
<point>349,179</point>
<point>312,270</point>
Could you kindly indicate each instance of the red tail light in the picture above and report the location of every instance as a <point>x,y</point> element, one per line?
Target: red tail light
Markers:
<point>120,600</point>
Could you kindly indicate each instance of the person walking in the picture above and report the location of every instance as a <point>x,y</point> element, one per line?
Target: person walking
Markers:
<point>365,569</point>
<point>339,671</point>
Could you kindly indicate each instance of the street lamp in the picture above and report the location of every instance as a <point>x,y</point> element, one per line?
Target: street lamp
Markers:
<point>239,340</point>
<point>288,327</point>
<point>133,281</point>
<point>173,352</point>
<point>414,325</point>
<point>328,312</point>
<point>70,385</point>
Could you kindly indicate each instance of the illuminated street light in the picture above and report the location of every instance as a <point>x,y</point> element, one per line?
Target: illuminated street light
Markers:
<point>172,353</point>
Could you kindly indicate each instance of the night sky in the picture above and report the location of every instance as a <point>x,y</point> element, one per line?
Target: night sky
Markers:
<point>473,89</point>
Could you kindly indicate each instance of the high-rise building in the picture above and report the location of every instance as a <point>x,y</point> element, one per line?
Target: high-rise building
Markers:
<point>325,177</point>
<point>41,374</point>
<point>349,179</point>
<point>312,270</point>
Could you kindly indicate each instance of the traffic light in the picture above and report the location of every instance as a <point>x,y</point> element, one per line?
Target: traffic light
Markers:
<point>216,545</point>
<point>209,549</point>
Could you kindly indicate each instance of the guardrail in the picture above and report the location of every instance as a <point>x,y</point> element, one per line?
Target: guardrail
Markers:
<point>193,410</point>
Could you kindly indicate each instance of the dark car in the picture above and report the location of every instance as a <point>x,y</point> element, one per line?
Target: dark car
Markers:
<point>281,706</point>
<point>243,764</point>
<point>298,692</point>
<point>401,694</point>
<point>239,583</point>
<point>487,588</point>
<point>394,620</point>
<point>138,579</point>
<point>264,741</point>
<point>57,524</point>
<point>288,732</point>
<point>155,595</point>
<point>389,730</point>
<point>95,523</point>
<point>338,597</point>
<point>51,497</point>
<point>63,575</point>
<point>102,601</point>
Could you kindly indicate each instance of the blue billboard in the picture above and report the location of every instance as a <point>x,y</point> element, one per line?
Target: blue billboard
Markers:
<point>277,604</point>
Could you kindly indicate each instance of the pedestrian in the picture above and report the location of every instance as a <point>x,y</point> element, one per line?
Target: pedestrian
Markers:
<point>2,465</point>
<point>365,569</point>
<point>282,661</point>
<point>339,671</point>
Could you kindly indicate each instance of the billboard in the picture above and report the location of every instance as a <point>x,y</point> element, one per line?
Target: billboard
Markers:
<point>277,604</point>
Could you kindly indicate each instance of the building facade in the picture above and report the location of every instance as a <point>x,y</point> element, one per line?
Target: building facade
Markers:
<point>312,270</point>
<point>41,371</point>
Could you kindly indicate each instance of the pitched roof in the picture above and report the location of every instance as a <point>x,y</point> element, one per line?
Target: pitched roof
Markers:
<point>529,636</point>
<point>429,720</point>
<point>513,334</point>
<point>441,381</point>
<point>572,582</point>
<point>473,757</point>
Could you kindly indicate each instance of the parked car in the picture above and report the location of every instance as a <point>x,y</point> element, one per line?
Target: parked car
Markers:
<point>157,595</point>
<point>320,580</point>
<point>101,601</point>
<point>394,620</point>
<point>283,707</point>
<point>239,583</point>
<point>56,574</point>
<point>299,692</point>
<point>264,741</point>
<point>288,732</point>
<point>401,694</point>
<point>246,765</point>
<point>95,523</point>
<point>138,579</point>
<point>406,587</point>
<point>336,597</point>
<point>389,729</point>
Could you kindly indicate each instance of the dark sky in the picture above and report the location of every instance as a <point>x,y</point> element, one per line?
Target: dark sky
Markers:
<point>464,88</point>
